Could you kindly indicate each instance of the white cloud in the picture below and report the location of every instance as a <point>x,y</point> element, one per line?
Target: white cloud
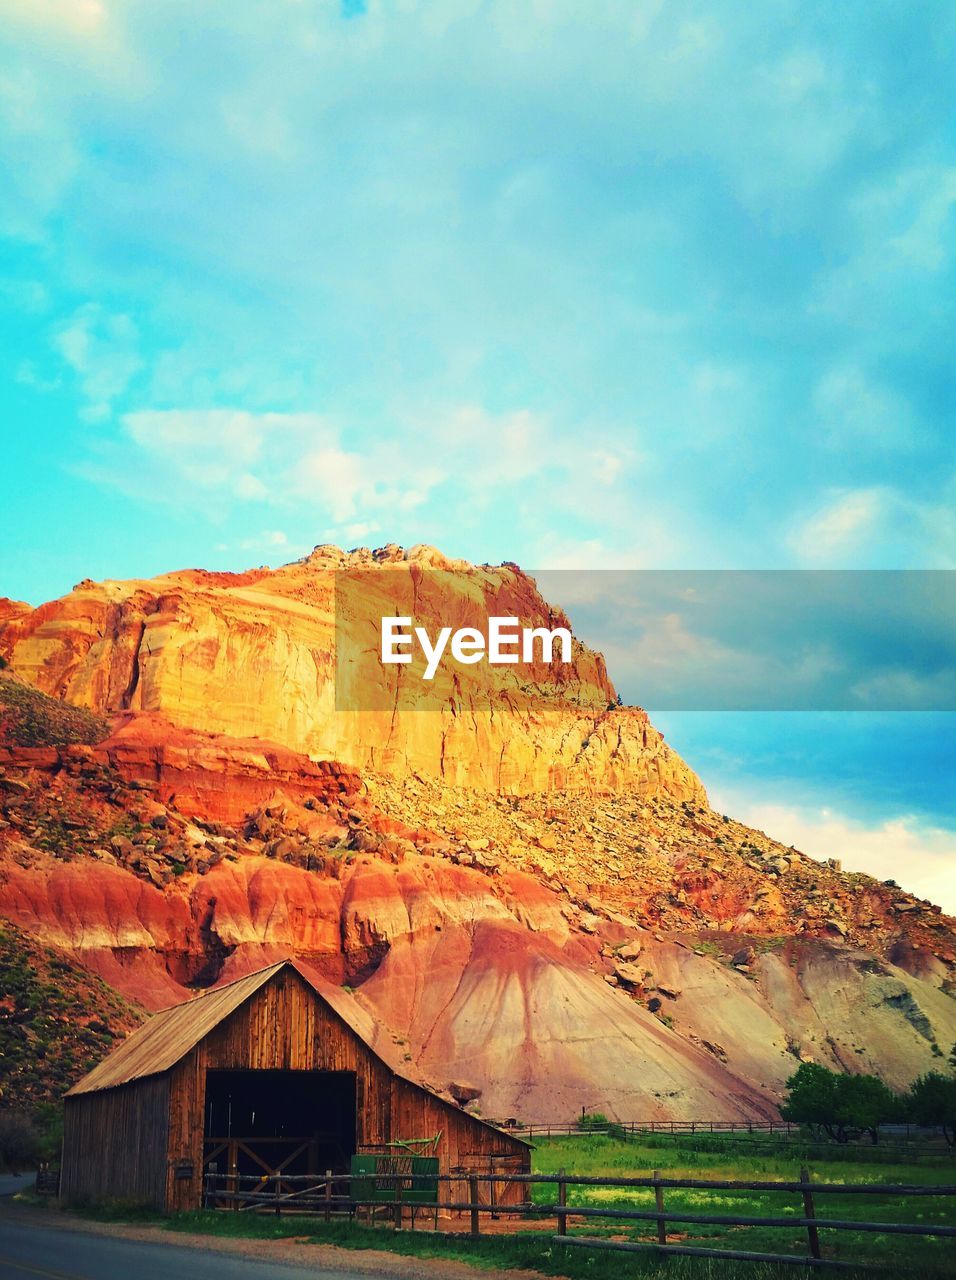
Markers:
<point>28,375</point>
<point>37,154</point>
<point>266,539</point>
<point>223,451</point>
<point>102,349</point>
<point>250,488</point>
<point>355,533</point>
<point>232,438</point>
<point>335,479</point>
<point>927,241</point>
<point>853,409</point>
<point>915,213</point>
<point>900,236</point>
<point>877,527</point>
<point>463,457</point>
<point>840,527</point>
<point>919,857</point>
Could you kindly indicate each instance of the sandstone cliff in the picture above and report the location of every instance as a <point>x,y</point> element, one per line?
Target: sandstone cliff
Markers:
<point>253,655</point>
<point>523,884</point>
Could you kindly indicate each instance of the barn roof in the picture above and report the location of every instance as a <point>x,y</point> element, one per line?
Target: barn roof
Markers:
<point>166,1037</point>
<point>169,1035</point>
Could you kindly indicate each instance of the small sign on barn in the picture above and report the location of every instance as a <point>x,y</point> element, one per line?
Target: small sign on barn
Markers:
<point>272,1074</point>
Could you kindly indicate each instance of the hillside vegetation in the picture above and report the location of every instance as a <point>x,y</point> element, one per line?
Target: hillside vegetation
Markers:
<point>29,718</point>
<point>56,1021</point>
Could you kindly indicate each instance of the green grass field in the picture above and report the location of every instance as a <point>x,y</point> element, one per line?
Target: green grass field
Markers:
<point>722,1159</point>
<point>739,1160</point>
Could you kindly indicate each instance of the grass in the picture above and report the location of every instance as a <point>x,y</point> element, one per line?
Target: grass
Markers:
<point>531,1251</point>
<point>597,1155</point>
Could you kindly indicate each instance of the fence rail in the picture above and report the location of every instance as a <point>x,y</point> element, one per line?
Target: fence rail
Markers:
<point>894,1133</point>
<point>577,1127</point>
<point>337,1194</point>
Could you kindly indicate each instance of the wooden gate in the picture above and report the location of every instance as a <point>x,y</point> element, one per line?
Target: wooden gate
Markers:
<point>265,1158</point>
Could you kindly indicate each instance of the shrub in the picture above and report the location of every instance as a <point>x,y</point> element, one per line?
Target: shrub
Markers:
<point>591,1120</point>
<point>19,1142</point>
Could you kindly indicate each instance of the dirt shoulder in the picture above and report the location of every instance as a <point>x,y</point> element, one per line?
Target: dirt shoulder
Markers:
<point>293,1251</point>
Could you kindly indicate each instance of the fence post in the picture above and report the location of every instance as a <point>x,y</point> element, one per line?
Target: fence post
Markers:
<point>398,1202</point>
<point>562,1203</point>
<point>813,1236</point>
<point>659,1200</point>
<point>328,1195</point>
<point>473,1199</point>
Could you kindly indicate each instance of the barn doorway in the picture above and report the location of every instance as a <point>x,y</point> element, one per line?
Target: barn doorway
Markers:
<point>266,1124</point>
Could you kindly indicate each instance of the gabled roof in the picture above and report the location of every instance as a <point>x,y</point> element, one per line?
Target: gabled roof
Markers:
<point>168,1036</point>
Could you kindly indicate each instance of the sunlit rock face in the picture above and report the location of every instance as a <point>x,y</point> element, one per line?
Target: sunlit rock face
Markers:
<point>525,888</point>
<point>253,655</point>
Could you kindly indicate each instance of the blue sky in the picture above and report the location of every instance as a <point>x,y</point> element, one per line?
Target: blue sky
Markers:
<point>624,284</point>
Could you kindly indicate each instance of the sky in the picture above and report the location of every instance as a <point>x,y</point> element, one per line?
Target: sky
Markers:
<point>630,284</point>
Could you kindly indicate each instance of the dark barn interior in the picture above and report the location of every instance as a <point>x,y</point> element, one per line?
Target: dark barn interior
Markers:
<point>294,1121</point>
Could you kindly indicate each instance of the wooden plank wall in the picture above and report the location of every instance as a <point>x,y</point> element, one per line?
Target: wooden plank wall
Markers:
<point>286,1026</point>
<point>115,1143</point>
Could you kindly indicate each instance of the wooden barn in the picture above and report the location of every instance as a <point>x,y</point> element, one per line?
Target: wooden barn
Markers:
<point>276,1071</point>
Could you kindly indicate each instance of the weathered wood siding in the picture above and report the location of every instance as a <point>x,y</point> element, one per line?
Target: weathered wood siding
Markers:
<point>115,1143</point>
<point>286,1026</point>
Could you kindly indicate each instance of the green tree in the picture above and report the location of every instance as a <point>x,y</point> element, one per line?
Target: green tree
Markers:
<point>932,1101</point>
<point>843,1106</point>
<point>864,1103</point>
<point>19,1142</point>
<point>811,1097</point>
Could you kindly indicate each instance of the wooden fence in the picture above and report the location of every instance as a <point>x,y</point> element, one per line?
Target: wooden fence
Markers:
<point>889,1133</point>
<point>48,1181</point>
<point>332,1195</point>
<point>577,1128</point>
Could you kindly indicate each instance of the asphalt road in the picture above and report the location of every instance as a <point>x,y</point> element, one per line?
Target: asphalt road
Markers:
<point>28,1252</point>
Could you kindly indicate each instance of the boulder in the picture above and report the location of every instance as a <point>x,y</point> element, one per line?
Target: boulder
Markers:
<point>631,975</point>
<point>630,950</point>
<point>464,1093</point>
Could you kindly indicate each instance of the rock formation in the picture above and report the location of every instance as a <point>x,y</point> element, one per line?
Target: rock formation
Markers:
<point>569,926</point>
<point>253,655</point>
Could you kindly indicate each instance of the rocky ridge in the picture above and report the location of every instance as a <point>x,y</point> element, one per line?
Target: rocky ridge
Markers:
<point>529,890</point>
<point>254,655</point>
